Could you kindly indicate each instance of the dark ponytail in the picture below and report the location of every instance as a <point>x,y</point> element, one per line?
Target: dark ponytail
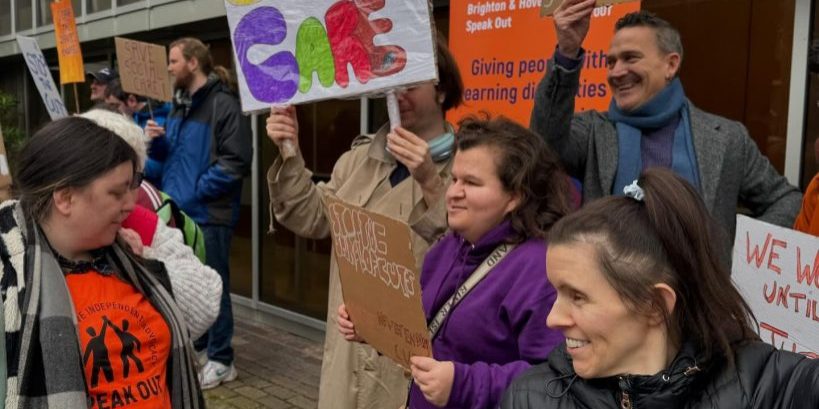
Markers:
<point>666,237</point>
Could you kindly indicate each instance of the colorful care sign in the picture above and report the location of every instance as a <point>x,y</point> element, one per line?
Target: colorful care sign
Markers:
<point>68,42</point>
<point>502,48</point>
<point>41,74</point>
<point>295,51</point>
<point>379,280</point>
<point>777,271</point>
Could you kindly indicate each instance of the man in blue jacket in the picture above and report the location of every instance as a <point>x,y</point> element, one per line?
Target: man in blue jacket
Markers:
<point>200,158</point>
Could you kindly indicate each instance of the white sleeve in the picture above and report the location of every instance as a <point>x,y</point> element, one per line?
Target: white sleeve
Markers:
<point>196,287</point>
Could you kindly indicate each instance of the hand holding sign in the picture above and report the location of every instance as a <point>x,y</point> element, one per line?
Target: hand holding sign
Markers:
<point>572,21</point>
<point>413,152</point>
<point>434,378</point>
<point>153,130</point>
<point>283,129</point>
<point>346,326</point>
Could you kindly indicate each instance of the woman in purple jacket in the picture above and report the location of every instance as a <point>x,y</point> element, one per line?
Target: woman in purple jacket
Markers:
<point>507,190</point>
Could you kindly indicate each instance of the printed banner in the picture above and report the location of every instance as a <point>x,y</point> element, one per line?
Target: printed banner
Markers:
<point>38,68</point>
<point>379,280</point>
<point>777,271</point>
<point>143,69</point>
<point>501,75</point>
<point>68,42</point>
<point>296,51</point>
<point>548,7</point>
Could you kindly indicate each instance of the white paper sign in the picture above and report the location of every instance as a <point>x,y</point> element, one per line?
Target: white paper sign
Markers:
<point>38,68</point>
<point>777,271</point>
<point>296,51</point>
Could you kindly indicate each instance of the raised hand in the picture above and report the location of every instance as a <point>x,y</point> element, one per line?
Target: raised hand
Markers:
<point>572,20</point>
<point>283,129</point>
<point>413,152</point>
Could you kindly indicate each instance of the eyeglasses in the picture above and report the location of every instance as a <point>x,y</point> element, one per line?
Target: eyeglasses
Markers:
<point>137,180</point>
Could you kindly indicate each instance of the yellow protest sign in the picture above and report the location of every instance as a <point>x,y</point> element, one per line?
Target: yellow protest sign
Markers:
<point>68,43</point>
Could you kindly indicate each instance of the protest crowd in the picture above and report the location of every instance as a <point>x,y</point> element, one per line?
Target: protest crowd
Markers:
<point>583,260</point>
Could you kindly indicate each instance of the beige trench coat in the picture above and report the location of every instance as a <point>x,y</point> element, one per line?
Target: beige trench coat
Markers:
<point>353,375</point>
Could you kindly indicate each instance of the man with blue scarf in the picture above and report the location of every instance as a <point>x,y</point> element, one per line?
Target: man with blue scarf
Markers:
<point>651,123</point>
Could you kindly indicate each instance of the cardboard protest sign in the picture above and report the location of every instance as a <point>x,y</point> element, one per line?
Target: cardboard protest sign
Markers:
<point>296,51</point>
<point>5,172</point>
<point>379,280</point>
<point>68,42</point>
<point>501,75</point>
<point>548,7</point>
<point>143,69</point>
<point>41,74</point>
<point>777,271</point>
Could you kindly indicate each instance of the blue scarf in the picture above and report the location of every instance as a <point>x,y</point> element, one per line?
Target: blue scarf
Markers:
<point>660,110</point>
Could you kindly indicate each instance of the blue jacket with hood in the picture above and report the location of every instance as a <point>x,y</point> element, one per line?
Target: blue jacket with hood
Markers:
<point>204,155</point>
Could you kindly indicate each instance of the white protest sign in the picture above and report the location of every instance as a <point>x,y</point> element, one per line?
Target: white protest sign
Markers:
<point>38,68</point>
<point>777,271</point>
<point>296,51</point>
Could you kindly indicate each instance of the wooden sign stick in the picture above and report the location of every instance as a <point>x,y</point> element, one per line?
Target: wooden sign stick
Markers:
<point>76,98</point>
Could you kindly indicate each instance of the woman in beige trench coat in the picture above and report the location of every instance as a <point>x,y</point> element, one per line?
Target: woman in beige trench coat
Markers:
<point>401,174</point>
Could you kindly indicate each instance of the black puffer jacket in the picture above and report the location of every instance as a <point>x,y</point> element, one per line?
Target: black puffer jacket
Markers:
<point>763,378</point>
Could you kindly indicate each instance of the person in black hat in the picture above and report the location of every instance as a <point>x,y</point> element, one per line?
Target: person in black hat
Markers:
<point>99,82</point>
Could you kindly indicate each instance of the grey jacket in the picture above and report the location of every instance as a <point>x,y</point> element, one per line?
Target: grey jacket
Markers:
<point>732,169</point>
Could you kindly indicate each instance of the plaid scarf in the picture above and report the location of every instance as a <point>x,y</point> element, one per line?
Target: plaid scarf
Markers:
<point>43,353</point>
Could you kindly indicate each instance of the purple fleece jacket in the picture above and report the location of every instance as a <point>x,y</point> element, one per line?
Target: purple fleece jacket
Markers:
<point>499,328</point>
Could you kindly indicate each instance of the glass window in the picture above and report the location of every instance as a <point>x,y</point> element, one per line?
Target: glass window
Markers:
<point>93,6</point>
<point>121,3</point>
<point>23,14</point>
<point>5,17</point>
<point>241,248</point>
<point>44,13</point>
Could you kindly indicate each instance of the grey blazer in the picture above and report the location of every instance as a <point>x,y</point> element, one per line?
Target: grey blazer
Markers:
<point>732,169</point>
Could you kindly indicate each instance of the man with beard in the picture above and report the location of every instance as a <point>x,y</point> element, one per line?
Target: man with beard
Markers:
<point>200,158</point>
<point>651,123</point>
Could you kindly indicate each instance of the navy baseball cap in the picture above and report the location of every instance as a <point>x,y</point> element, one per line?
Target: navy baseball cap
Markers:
<point>104,75</point>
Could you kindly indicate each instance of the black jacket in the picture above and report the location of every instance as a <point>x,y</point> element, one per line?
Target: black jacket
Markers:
<point>763,378</point>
